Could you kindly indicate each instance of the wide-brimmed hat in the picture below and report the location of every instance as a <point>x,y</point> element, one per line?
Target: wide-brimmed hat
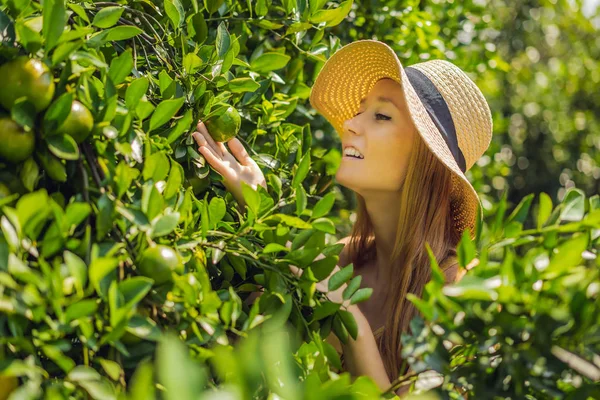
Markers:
<point>448,109</point>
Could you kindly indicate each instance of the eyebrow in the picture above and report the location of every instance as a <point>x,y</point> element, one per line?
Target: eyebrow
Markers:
<point>382,99</point>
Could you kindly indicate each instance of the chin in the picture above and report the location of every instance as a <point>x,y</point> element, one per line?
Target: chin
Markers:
<point>347,179</point>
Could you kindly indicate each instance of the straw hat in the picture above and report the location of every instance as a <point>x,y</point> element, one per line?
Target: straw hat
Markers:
<point>448,109</point>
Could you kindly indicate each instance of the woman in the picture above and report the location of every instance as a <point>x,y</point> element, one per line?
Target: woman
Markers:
<point>408,137</point>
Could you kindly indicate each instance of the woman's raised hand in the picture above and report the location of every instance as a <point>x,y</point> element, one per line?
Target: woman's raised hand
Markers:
<point>235,167</point>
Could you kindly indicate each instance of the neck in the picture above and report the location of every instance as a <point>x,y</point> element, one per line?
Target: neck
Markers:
<point>383,211</point>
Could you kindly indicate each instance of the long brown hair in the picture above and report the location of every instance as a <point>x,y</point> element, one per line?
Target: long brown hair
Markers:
<point>425,217</point>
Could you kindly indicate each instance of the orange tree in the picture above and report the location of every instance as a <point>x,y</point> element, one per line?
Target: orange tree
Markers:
<point>115,230</point>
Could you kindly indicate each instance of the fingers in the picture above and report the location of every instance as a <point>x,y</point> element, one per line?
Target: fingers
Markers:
<point>239,152</point>
<point>212,158</point>
<point>218,150</point>
<point>295,270</point>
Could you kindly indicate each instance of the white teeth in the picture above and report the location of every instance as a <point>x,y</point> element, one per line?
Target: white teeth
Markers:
<point>352,152</point>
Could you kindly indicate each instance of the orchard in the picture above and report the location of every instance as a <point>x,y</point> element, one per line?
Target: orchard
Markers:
<point>126,265</point>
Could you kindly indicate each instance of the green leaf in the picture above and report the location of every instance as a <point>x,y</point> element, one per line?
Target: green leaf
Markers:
<point>175,180</point>
<point>332,17</point>
<point>59,111</point>
<point>352,287</point>
<point>156,167</point>
<point>182,126</point>
<point>522,210</point>
<point>55,20</point>
<point>142,382</point>
<point>339,329</point>
<point>269,61</point>
<point>544,209</point>
<point>289,220</point>
<point>136,90</point>
<point>80,309</point>
<point>322,268</point>
<point>32,209</point>
<point>466,250</point>
<point>29,174</point>
<point>324,225</point>
<point>212,5</point>
<point>349,322</point>
<point>120,67</point>
<point>240,85</point>
<point>104,220</point>
<point>567,255</point>
<point>361,295</point>
<point>472,288</point>
<point>574,205</point>
<point>251,197</point>
<point>23,113</point>
<point>262,7</point>
<point>63,146</point>
<point>101,271</point>
<point>107,16</point>
<point>114,34</point>
<point>165,224</point>
<point>222,41</point>
<point>112,368</point>
<point>192,63</point>
<point>77,269</point>
<point>134,290</point>
<point>324,205</point>
<point>165,111</point>
<point>182,378</point>
<point>340,277</point>
<point>274,248</point>
<point>124,175</point>
<point>216,211</point>
<point>302,170</point>
<point>175,12</point>
<point>300,200</point>
<point>324,310</point>
<point>198,29</point>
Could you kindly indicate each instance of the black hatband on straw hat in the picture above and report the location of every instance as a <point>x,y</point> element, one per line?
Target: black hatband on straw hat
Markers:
<point>438,110</point>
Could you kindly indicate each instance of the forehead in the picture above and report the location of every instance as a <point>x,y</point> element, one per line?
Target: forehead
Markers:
<point>384,91</point>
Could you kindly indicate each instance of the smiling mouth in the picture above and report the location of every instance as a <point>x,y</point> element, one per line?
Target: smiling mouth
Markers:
<point>352,152</point>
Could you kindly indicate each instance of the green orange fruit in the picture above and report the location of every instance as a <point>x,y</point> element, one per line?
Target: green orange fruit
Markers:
<point>26,77</point>
<point>79,123</point>
<point>223,124</point>
<point>16,144</point>
<point>159,262</point>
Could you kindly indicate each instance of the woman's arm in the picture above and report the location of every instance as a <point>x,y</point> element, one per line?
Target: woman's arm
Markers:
<point>362,355</point>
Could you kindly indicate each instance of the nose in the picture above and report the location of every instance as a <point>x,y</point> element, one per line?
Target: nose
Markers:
<point>351,125</point>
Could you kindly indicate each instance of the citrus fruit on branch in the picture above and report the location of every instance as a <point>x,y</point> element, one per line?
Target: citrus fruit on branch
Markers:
<point>158,262</point>
<point>223,123</point>
<point>16,144</point>
<point>79,122</point>
<point>26,77</point>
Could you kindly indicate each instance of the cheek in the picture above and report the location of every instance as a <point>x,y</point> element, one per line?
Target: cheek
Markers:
<point>391,161</point>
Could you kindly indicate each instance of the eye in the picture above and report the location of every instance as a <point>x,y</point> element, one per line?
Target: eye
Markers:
<point>385,117</point>
<point>358,113</point>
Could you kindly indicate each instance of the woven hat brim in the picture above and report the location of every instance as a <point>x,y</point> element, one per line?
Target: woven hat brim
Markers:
<point>348,76</point>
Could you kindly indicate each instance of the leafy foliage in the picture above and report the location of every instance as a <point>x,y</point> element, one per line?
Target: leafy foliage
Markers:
<point>79,320</point>
<point>109,244</point>
<point>523,322</point>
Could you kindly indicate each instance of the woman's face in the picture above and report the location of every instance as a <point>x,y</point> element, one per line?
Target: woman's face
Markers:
<point>383,133</point>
